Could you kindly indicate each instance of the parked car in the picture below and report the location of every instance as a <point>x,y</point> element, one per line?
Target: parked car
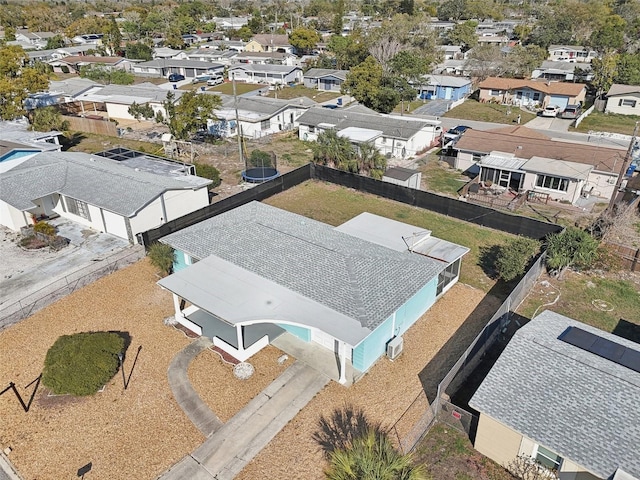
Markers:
<point>455,132</point>
<point>176,77</point>
<point>571,111</point>
<point>215,80</point>
<point>550,111</point>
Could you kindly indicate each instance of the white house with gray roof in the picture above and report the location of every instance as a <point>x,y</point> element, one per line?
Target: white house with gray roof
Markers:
<point>256,271</point>
<point>393,135</point>
<point>163,67</point>
<point>567,395</point>
<point>269,74</point>
<point>324,79</point>
<point>100,193</point>
<point>18,143</point>
<point>258,116</point>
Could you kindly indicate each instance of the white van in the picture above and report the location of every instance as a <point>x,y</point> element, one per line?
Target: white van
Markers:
<point>213,81</point>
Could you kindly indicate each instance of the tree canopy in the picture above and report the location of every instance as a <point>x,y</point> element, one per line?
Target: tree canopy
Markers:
<point>190,114</point>
<point>17,81</point>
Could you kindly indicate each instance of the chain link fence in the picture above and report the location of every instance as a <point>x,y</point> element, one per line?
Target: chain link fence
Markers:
<point>54,291</point>
<point>413,424</point>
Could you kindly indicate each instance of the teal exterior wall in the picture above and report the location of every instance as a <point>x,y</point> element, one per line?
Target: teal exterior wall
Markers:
<point>300,332</point>
<point>374,346</point>
<point>179,261</point>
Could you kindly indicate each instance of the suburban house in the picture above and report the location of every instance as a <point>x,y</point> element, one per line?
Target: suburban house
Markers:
<point>233,23</point>
<point>324,79</point>
<point>18,143</point>
<point>264,58</point>
<point>122,195</point>
<point>211,55</point>
<point>520,159</point>
<point>562,71</point>
<point>623,99</point>
<point>513,91</point>
<point>63,91</point>
<point>88,39</point>
<point>269,74</point>
<point>443,87</point>
<point>256,271</point>
<point>36,39</point>
<point>452,67</point>
<point>73,63</point>
<point>269,43</point>
<point>451,52</point>
<point>165,67</point>
<point>393,135</point>
<point>118,98</point>
<point>258,116</point>
<point>566,395</point>
<point>571,53</point>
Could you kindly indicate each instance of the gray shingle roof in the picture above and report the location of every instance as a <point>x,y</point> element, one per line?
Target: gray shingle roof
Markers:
<point>390,126</point>
<point>94,180</point>
<point>354,277</point>
<point>324,72</point>
<point>583,407</point>
<point>254,67</point>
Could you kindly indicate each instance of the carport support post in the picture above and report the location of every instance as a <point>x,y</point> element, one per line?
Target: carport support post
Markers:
<point>240,337</point>
<point>343,362</point>
<point>176,306</point>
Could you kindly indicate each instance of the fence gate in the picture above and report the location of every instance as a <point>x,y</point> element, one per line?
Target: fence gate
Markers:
<point>456,417</point>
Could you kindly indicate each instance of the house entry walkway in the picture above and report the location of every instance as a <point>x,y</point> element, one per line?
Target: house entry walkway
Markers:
<point>230,447</point>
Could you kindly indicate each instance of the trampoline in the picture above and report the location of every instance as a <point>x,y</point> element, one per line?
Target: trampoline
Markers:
<point>259,174</point>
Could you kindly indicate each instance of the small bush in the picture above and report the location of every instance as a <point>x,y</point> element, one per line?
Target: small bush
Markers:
<point>45,228</point>
<point>162,257</point>
<point>514,256</point>
<point>82,363</point>
<point>209,171</point>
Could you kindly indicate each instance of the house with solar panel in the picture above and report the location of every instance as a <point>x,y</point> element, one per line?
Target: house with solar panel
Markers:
<point>121,192</point>
<point>566,395</point>
<point>248,276</point>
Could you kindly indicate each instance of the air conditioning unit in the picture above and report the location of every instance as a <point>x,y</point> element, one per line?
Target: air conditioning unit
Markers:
<point>394,347</point>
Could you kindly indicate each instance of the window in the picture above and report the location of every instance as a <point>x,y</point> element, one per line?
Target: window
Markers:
<point>494,93</point>
<point>548,459</point>
<point>78,208</point>
<point>447,276</point>
<point>477,157</point>
<point>625,102</point>
<point>536,96</point>
<point>312,129</point>
<point>264,124</point>
<point>552,183</point>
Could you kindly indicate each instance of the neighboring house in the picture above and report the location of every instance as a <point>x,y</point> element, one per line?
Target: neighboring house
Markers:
<point>73,63</point>
<point>513,91</point>
<point>104,194</point>
<point>521,159</point>
<point>443,87</point>
<point>231,23</point>
<point>236,45</point>
<point>269,43</point>
<point>571,53</point>
<point>562,71</point>
<point>37,39</point>
<point>493,39</point>
<point>118,98</point>
<point>88,39</point>
<point>393,135</point>
<point>258,116</point>
<point>166,66</point>
<point>63,91</point>
<point>451,52</point>
<point>565,394</point>
<point>268,74</point>
<point>623,99</point>
<point>256,271</point>
<point>324,79</point>
<point>18,143</point>
<point>452,67</point>
<point>263,58</point>
<point>212,55</point>
<point>166,52</point>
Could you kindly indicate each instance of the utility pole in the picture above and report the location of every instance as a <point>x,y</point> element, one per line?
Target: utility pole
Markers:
<point>235,105</point>
<point>625,166</point>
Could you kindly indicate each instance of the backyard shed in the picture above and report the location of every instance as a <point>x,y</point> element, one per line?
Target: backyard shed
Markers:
<point>406,177</point>
<point>256,270</point>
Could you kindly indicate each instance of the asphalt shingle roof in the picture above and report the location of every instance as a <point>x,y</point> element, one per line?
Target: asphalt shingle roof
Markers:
<point>354,277</point>
<point>583,407</point>
<point>94,180</point>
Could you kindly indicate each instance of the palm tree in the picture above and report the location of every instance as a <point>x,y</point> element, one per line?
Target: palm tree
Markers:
<point>372,457</point>
<point>371,161</point>
<point>334,151</point>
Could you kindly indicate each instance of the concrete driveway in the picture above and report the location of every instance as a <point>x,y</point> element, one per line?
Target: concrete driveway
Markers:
<point>552,124</point>
<point>434,108</point>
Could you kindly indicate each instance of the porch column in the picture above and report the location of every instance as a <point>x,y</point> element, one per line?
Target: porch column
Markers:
<point>240,337</point>
<point>342,353</point>
<point>176,305</point>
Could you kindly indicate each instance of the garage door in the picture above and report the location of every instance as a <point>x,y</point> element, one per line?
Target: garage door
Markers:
<point>559,100</point>
<point>324,339</point>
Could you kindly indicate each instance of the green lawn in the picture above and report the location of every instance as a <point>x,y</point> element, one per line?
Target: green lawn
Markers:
<point>227,88</point>
<point>580,298</point>
<point>335,205</point>
<point>439,177</point>
<point>408,106</point>
<point>287,93</point>
<point>489,112</point>
<point>608,122</point>
<point>448,454</point>
<point>93,143</point>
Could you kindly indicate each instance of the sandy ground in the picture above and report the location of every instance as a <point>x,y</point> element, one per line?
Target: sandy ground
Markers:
<point>136,433</point>
<point>385,392</point>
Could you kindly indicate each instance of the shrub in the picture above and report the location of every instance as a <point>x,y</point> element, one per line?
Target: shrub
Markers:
<point>45,228</point>
<point>571,247</point>
<point>209,171</point>
<point>260,158</point>
<point>514,256</point>
<point>162,257</point>
<point>82,363</point>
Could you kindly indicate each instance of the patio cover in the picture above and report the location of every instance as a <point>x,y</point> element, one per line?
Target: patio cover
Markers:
<point>239,296</point>
<point>558,168</point>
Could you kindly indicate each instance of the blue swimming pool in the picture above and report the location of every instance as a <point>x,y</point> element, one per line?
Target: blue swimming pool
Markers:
<point>13,154</point>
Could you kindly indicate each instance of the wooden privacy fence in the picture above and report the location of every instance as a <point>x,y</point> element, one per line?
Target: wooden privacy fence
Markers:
<point>629,256</point>
<point>100,126</point>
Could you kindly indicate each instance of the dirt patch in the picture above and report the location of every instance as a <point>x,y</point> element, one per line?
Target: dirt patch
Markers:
<point>384,393</point>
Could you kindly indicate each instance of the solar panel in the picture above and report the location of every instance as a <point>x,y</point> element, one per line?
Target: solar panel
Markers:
<point>607,349</point>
